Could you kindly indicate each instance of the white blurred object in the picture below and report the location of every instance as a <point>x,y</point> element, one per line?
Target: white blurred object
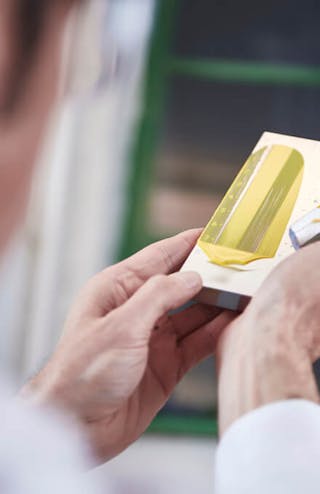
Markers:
<point>274,448</point>
<point>59,457</point>
<point>79,198</point>
<point>306,230</point>
<point>14,277</point>
<point>162,465</point>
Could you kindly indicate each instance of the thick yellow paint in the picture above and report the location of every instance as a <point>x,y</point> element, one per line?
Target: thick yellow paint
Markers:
<point>252,218</point>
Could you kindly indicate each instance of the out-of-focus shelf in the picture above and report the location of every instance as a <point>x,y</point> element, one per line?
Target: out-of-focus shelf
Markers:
<point>173,210</point>
<point>230,71</point>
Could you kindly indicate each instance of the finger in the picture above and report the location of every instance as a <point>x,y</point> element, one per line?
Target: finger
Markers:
<point>185,322</point>
<point>162,257</point>
<point>153,300</point>
<point>113,286</point>
<point>203,343</point>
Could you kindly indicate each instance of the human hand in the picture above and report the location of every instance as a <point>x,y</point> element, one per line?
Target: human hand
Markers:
<point>121,354</point>
<point>267,354</point>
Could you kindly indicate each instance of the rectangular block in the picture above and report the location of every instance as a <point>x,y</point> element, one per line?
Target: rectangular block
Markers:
<point>248,234</point>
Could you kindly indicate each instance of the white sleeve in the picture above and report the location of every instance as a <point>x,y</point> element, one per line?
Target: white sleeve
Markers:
<point>41,453</point>
<point>274,449</point>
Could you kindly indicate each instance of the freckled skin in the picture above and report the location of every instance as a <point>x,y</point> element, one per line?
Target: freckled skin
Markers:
<point>267,354</point>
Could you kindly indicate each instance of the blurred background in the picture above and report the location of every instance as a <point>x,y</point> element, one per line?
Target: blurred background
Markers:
<point>161,103</point>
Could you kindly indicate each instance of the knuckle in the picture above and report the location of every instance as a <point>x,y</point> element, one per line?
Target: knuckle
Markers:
<point>158,281</point>
<point>165,254</point>
<point>98,278</point>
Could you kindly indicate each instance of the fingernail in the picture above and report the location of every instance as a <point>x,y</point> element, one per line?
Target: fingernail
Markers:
<point>192,280</point>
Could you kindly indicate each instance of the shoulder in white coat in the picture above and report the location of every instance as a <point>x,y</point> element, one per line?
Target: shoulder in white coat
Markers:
<point>274,449</point>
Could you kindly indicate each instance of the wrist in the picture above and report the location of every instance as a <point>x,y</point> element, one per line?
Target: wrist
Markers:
<point>259,364</point>
<point>283,343</point>
<point>42,389</point>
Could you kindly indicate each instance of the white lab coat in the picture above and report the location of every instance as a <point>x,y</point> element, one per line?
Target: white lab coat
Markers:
<point>41,452</point>
<point>272,450</point>
<point>275,449</point>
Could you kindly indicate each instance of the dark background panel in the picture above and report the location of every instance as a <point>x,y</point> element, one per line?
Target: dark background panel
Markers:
<point>209,129</point>
<point>273,31</point>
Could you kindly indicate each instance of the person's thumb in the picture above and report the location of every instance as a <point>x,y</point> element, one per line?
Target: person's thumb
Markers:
<point>153,300</point>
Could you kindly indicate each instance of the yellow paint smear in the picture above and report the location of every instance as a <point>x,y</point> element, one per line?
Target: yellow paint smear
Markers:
<point>252,218</point>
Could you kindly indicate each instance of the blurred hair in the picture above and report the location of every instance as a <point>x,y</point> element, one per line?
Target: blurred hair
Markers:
<point>29,23</point>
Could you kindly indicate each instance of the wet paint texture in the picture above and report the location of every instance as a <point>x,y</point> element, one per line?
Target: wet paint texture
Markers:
<point>253,216</point>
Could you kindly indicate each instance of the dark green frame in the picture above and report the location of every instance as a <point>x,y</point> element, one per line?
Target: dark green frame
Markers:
<point>160,67</point>
<point>135,235</point>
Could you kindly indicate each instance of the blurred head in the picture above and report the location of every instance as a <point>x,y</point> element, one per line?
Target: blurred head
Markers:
<point>31,33</point>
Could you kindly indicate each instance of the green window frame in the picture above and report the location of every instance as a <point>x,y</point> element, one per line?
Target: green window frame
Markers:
<point>161,65</point>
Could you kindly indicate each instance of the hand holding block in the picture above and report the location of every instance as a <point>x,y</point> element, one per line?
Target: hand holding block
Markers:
<point>249,233</point>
